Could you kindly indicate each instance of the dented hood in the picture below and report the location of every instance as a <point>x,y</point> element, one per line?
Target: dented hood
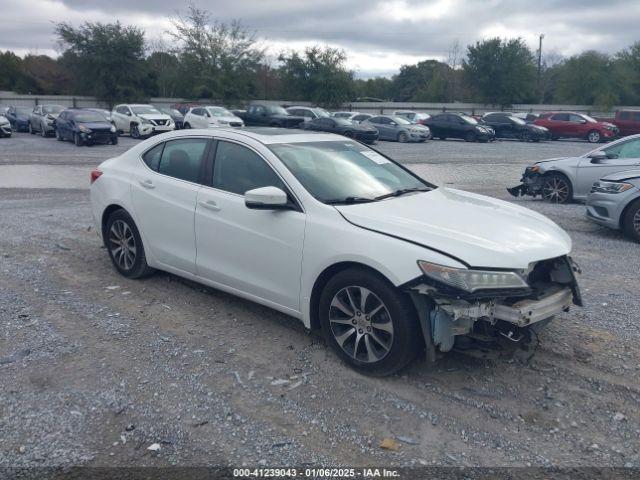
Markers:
<point>481,231</point>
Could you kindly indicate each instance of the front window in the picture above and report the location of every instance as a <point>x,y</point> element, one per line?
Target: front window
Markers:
<point>276,110</point>
<point>345,172</point>
<point>400,120</point>
<point>588,118</point>
<point>517,121</point>
<point>219,112</point>
<point>144,110</point>
<point>469,119</point>
<point>52,109</point>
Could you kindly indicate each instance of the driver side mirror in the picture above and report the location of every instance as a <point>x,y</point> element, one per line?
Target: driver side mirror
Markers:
<point>128,114</point>
<point>267,198</point>
<point>597,157</point>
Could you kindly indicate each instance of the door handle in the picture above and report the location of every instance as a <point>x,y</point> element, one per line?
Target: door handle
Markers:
<point>209,205</point>
<point>147,183</point>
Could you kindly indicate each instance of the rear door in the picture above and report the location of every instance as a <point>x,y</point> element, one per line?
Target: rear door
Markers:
<point>256,252</point>
<point>164,198</point>
<point>622,156</point>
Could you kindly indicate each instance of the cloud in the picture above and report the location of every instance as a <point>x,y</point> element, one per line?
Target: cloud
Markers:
<point>378,35</point>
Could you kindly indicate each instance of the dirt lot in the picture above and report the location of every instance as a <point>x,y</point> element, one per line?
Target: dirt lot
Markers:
<point>96,368</point>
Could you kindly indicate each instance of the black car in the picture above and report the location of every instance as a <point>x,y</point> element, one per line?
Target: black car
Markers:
<point>19,118</point>
<point>176,116</point>
<point>85,127</point>
<point>260,115</point>
<point>458,125</point>
<point>507,125</point>
<point>363,133</point>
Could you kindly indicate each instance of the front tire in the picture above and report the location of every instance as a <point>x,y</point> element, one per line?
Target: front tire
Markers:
<point>58,136</point>
<point>114,140</point>
<point>594,137</point>
<point>134,132</point>
<point>556,188</point>
<point>77,140</point>
<point>370,324</point>
<point>403,137</point>
<point>31,130</point>
<point>43,131</point>
<point>187,125</point>
<point>470,137</point>
<point>124,245</point>
<point>631,221</point>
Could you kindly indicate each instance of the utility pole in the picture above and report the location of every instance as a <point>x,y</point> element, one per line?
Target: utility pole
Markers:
<point>540,68</point>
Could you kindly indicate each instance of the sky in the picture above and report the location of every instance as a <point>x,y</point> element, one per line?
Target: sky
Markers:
<point>378,35</point>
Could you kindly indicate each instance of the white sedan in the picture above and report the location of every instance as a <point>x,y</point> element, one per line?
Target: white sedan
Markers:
<point>337,235</point>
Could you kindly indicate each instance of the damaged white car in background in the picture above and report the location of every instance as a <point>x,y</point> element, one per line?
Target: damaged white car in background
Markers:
<point>332,232</point>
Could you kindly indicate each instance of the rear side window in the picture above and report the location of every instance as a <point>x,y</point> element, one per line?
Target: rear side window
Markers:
<point>152,157</point>
<point>238,169</point>
<point>561,117</point>
<point>183,158</point>
<point>636,116</point>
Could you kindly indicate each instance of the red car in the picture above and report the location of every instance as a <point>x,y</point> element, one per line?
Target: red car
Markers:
<point>576,125</point>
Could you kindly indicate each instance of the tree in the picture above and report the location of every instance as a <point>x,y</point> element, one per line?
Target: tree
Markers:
<point>501,72</point>
<point>44,75</point>
<point>11,68</point>
<point>626,71</point>
<point>219,59</point>
<point>164,67</point>
<point>378,87</point>
<point>586,79</point>
<point>107,59</point>
<point>319,74</point>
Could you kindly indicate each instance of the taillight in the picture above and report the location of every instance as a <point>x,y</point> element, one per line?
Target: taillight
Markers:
<point>95,174</point>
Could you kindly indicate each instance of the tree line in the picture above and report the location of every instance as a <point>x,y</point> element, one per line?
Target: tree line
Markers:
<point>201,58</point>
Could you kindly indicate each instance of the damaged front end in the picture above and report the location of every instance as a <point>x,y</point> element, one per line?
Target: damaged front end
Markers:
<point>490,322</point>
<point>532,181</point>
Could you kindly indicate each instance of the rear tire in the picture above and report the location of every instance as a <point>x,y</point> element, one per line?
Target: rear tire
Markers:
<point>556,188</point>
<point>124,245</point>
<point>370,324</point>
<point>631,221</point>
<point>134,132</point>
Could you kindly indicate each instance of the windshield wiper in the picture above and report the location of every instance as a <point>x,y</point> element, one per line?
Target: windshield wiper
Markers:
<point>349,200</point>
<point>403,191</point>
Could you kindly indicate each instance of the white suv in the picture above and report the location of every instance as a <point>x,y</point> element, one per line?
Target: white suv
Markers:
<point>141,120</point>
<point>209,117</point>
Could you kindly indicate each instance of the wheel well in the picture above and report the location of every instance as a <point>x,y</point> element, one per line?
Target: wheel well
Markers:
<point>626,209</point>
<point>105,216</point>
<point>322,280</point>
<point>558,172</point>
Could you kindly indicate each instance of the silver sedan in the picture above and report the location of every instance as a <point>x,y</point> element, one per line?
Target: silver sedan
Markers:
<point>614,202</point>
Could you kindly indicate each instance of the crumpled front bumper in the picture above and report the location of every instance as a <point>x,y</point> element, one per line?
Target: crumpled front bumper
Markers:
<point>531,184</point>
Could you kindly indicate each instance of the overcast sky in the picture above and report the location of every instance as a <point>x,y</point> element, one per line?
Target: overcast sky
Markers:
<point>378,35</point>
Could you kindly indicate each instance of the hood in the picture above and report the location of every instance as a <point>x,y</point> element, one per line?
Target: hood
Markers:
<point>560,160</point>
<point>154,116</point>
<point>481,231</point>
<point>96,125</point>
<point>288,118</point>
<point>619,176</point>
<point>226,119</point>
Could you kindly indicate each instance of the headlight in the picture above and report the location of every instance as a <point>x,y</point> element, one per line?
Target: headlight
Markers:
<point>84,129</point>
<point>145,121</point>
<point>534,169</point>
<point>472,280</point>
<point>610,187</point>
<point>113,129</point>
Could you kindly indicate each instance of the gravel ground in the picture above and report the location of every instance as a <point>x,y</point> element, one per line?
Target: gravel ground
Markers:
<point>96,368</point>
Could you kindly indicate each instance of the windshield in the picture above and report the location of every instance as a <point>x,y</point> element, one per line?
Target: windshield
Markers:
<point>219,112</point>
<point>344,172</point>
<point>589,119</point>
<point>321,112</point>
<point>469,119</point>
<point>170,111</point>
<point>400,120</point>
<point>343,121</point>
<point>143,109</point>
<point>52,109</point>
<point>86,117</point>
<point>275,110</point>
<point>23,110</point>
<point>518,121</point>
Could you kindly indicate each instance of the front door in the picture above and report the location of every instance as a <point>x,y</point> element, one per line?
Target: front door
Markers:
<point>256,252</point>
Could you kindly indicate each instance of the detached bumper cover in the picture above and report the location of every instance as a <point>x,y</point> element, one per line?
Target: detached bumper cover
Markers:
<point>531,184</point>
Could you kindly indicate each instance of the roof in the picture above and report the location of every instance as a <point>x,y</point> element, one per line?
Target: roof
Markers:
<point>265,135</point>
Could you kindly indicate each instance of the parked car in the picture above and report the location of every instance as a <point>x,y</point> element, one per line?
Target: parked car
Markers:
<point>361,117</point>
<point>459,125</point>
<point>19,118</point>
<point>258,114</point>
<point>363,133</point>
<point>210,117</point>
<point>576,125</point>
<point>614,201</point>
<point>413,117</point>
<point>627,122</point>
<point>85,127</point>
<point>333,233</point>
<point>176,116</point>
<point>506,125</point>
<point>398,129</point>
<point>345,115</point>
<point>140,121</point>
<point>308,113</point>
<point>5,127</point>
<point>560,180</point>
<point>42,119</point>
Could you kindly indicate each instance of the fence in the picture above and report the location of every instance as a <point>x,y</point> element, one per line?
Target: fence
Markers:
<point>11,98</point>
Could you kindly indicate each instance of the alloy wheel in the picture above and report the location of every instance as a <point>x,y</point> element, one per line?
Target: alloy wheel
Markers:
<point>122,244</point>
<point>555,190</point>
<point>594,137</point>
<point>361,324</point>
<point>135,133</point>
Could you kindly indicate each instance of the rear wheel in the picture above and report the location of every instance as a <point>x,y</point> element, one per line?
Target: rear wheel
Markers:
<point>348,134</point>
<point>631,221</point>
<point>556,188</point>
<point>125,246</point>
<point>594,136</point>
<point>369,323</point>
